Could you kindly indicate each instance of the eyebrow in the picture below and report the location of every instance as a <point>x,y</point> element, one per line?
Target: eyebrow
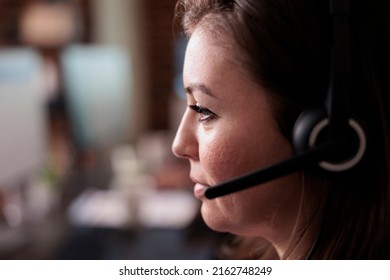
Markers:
<point>201,88</point>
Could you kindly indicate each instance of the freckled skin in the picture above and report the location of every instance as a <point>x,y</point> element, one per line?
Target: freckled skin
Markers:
<point>242,137</point>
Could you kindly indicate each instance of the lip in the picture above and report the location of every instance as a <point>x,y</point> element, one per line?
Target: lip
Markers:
<point>199,190</point>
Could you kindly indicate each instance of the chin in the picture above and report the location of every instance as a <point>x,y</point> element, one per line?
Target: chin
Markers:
<point>214,219</point>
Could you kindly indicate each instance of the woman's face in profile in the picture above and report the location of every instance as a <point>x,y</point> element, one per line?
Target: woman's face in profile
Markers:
<point>228,129</point>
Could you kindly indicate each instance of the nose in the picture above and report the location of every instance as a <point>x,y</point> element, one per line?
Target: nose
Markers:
<point>185,144</point>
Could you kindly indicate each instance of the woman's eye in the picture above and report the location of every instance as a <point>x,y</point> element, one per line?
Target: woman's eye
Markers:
<point>205,114</point>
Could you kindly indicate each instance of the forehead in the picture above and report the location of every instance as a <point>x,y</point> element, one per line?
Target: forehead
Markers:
<point>207,55</point>
<point>211,63</point>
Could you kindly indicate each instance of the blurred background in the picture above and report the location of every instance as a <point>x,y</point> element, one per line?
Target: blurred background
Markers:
<point>90,98</point>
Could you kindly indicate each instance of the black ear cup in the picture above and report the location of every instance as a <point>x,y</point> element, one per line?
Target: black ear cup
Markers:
<point>310,130</point>
<point>307,121</point>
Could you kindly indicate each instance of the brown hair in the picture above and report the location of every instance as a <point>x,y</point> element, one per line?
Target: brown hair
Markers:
<point>284,45</point>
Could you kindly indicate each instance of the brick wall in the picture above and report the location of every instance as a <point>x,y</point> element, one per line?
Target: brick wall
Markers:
<point>159,47</point>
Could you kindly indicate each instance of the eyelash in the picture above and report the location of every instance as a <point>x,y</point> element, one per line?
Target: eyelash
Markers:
<point>205,114</point>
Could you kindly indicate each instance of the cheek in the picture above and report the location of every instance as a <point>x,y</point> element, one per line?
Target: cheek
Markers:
<point>227,155</point>
<point>218,155</point>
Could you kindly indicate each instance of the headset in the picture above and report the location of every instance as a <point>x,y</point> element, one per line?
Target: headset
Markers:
<point>326,137</point>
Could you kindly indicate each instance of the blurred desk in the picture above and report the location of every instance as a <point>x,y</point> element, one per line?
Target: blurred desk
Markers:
<point>33,241</point>
<point>146,244</point>
<point>60,238</point>
<point>55,240</point>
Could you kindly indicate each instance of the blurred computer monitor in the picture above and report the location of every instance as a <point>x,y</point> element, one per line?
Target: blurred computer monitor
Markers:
<point>97,81</point>
<point>22,115</point>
